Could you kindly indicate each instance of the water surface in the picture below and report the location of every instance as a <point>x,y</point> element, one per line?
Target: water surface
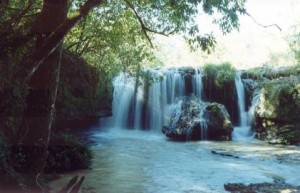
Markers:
<point>128,161</point>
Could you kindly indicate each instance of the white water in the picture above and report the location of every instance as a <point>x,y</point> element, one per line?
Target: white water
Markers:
<point>243,130</point>
<point>197,83</point>
<point>123,94</point>
<point>127,161</point>
<point>164,92</point>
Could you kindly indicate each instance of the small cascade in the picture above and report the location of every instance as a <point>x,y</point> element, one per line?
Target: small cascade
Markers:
<point>197,83</point>
<point>243,130</point>
<point>203,121</point>
<point>123,99</point>
<point>138,104</point>
<point>254,102</point>
<point>175,85</point>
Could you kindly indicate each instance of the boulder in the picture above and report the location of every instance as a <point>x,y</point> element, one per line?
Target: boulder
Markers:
<point>218,122</point>
<point>193,119</point>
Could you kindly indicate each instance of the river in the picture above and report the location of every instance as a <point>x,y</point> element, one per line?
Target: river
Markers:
<point>131,161</point>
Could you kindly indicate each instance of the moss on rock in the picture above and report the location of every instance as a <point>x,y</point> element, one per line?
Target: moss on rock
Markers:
<point>278,114</point>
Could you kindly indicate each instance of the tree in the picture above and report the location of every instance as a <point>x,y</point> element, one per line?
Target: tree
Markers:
<point>38,76</point>
<point>36,38</point>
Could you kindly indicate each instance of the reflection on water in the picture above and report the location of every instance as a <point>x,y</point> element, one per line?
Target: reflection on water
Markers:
<point>135,161</point>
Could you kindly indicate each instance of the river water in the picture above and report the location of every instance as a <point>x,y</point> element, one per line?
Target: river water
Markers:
<point>131,161</point>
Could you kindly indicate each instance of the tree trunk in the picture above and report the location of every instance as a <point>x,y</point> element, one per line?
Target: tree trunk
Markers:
<point>42,91</point>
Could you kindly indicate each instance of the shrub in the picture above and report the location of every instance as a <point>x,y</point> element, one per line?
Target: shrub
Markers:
<point>221,73</point>
<point>67,153</point>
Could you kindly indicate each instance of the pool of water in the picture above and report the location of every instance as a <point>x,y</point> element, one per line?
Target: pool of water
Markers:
<point>129,161</point>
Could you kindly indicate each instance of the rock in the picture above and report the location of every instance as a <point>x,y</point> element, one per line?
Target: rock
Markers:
<point>223,153</point>
<point>218,123</point>
<point>186,122</point>
<point>264,187</point>
<point>278,113</point>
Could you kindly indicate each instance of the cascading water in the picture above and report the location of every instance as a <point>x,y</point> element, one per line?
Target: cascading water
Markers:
<point>149,106</point>
<point>198,91</point>
<point>243,130</point>
<point>123,98</point>
<point>197,83</point>
<point>157,102</point>
<point>203,122</point>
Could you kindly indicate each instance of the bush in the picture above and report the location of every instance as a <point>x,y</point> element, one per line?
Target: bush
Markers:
<point>221,73</point>
<point>67,153</point>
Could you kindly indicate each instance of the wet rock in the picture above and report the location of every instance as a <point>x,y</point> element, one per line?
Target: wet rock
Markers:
<point>218,122</point>
<point>193,119</point>
<point>276,187</point>
<point>223,153</point>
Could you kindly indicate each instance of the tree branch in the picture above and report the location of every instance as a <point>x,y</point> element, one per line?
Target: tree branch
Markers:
<point>144,27</point>
<point>265,26</point>
<point>140,21</point>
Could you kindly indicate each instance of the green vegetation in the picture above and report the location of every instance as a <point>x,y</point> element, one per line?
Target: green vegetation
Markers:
<point>270,72</point>
<point>222,74</point>
<point>81,91</point>
<point>67,153</point>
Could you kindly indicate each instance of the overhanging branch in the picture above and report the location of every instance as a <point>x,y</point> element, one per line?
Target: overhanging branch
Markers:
<point>265,26</point>
<point>38,56</point>
<point>146,29</point>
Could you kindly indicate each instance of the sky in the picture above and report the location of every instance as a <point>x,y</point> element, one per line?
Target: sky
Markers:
<point>250,46</point>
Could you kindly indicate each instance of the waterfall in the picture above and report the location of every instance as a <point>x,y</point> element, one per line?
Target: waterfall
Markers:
<point>243,130</point>
<point>149,106</point>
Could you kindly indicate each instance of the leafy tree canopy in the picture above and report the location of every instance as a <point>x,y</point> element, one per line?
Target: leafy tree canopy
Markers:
<point>117,33</point>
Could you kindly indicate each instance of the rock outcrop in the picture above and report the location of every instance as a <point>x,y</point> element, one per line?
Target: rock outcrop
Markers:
<point>82,96</point>
<point>278,113</point>
<point>193,119</point>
